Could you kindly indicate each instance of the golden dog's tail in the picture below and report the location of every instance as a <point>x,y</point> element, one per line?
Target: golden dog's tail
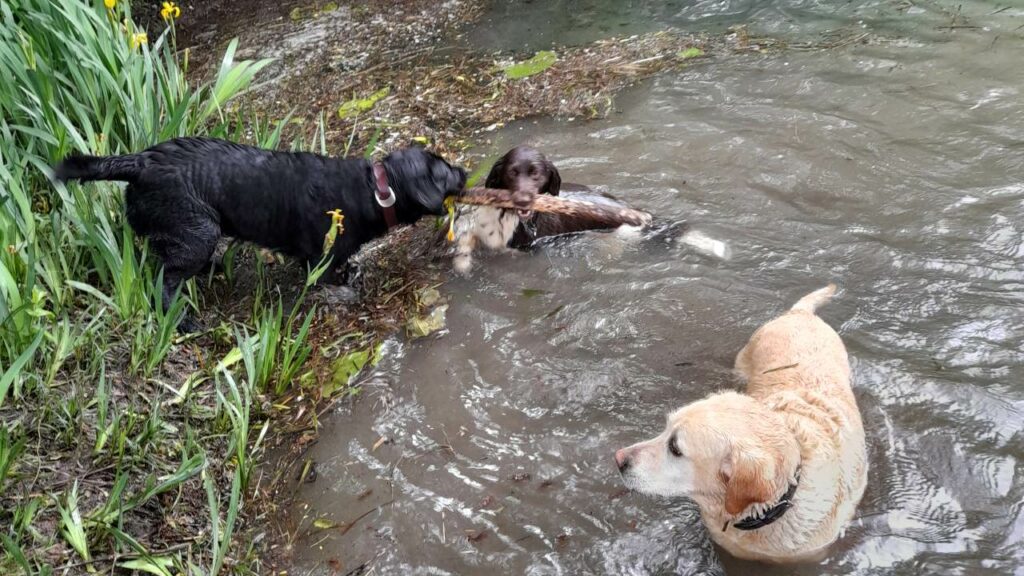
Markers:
<point>811,302</point>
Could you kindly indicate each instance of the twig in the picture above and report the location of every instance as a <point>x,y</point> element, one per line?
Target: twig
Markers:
<point>113,558</point>
<point>349,525</point>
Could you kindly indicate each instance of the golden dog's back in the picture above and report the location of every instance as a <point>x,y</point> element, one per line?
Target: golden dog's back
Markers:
<point>797,350</point>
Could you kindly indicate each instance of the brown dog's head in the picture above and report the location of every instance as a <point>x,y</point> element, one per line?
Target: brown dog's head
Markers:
<point>526,172</point>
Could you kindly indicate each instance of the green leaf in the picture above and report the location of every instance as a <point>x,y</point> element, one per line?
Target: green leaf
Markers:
<point>158,565</point>
<point>229,360</point>
<point>15,552</point>
<point>345,369</point>
<point>377,355</point>
<point>689,53</point>
<point>357,106</point>
<point>371,146</point>
<point>540,62</point>
<point>10,450</point>
<point>324,524</point>
<point>15,369</point>
<point>420,326</point>
<point>533,292</point>
<point>73,528</point>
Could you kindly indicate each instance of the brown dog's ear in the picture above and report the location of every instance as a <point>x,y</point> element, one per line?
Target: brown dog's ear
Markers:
<point>496,177</point>
<point>554,184</point>
<point>748,480</point>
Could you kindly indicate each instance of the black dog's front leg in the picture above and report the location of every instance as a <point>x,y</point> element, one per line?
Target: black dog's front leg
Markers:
<point>172,282</point>
<point>339,284</point>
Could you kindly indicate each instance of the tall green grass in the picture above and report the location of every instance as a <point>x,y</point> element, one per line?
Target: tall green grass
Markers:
<point>77,287</point>
<point>74,81</point>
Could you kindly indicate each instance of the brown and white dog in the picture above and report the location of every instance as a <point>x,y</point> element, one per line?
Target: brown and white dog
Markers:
<point>777,472</point>
<point>526,172</point>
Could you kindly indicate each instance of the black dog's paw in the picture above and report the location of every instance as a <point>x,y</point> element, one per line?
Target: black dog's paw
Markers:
<point>338,296</point>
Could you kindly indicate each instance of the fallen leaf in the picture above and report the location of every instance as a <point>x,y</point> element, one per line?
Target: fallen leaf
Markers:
<point>420,326</point>
<point>540,62</point>
<point>324,524</point>
<point>427,297</point>
<point>689,53</point>
<point>357,106</point>
<point>345,369</point>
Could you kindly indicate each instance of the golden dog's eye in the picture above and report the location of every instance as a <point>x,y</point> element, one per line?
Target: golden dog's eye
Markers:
<point>673,447</point>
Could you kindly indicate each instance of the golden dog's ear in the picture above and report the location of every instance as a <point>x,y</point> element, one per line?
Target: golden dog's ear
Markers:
<point>748,479</point>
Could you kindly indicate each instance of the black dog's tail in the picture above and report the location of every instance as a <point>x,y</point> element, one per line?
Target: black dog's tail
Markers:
<point>87,168</point>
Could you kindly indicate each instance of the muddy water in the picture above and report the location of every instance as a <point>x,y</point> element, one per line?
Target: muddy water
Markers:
<point>895,169</point>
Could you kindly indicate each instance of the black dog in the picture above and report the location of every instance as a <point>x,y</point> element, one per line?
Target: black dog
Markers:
<point>185,193</point>
<point>525,171</point>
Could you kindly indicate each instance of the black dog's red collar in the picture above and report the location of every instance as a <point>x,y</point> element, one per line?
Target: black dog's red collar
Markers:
<point>385,195</point>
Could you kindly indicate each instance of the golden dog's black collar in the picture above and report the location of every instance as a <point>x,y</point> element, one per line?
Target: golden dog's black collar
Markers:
<point>770,515</point>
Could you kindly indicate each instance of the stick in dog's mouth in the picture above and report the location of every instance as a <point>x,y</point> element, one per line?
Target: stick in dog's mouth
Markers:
<point>613,216</point>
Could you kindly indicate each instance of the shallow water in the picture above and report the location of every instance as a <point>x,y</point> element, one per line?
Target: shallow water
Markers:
<point>895,169</point>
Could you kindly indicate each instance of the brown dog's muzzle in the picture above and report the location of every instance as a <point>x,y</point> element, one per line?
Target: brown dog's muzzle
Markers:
<point>523,201</point>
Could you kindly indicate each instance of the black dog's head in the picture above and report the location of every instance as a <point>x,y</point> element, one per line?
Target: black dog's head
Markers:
<point>422,180</point>
<point>526,172</point>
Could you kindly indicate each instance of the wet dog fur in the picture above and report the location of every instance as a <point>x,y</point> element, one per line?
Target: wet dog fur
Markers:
<point>738,455</point>
<point>184,194</point>
<point>524,171</point>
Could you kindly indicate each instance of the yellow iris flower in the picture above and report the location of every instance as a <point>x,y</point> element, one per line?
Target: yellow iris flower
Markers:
<point>170,11</point>
<point>336,228</point>
<point>139,39</point>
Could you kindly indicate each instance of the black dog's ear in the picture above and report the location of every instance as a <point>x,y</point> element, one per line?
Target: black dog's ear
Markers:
<point>554,184</point>
<point>496,177</point>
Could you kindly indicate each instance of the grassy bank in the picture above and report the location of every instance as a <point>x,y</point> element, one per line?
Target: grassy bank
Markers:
<point>121,447</point>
